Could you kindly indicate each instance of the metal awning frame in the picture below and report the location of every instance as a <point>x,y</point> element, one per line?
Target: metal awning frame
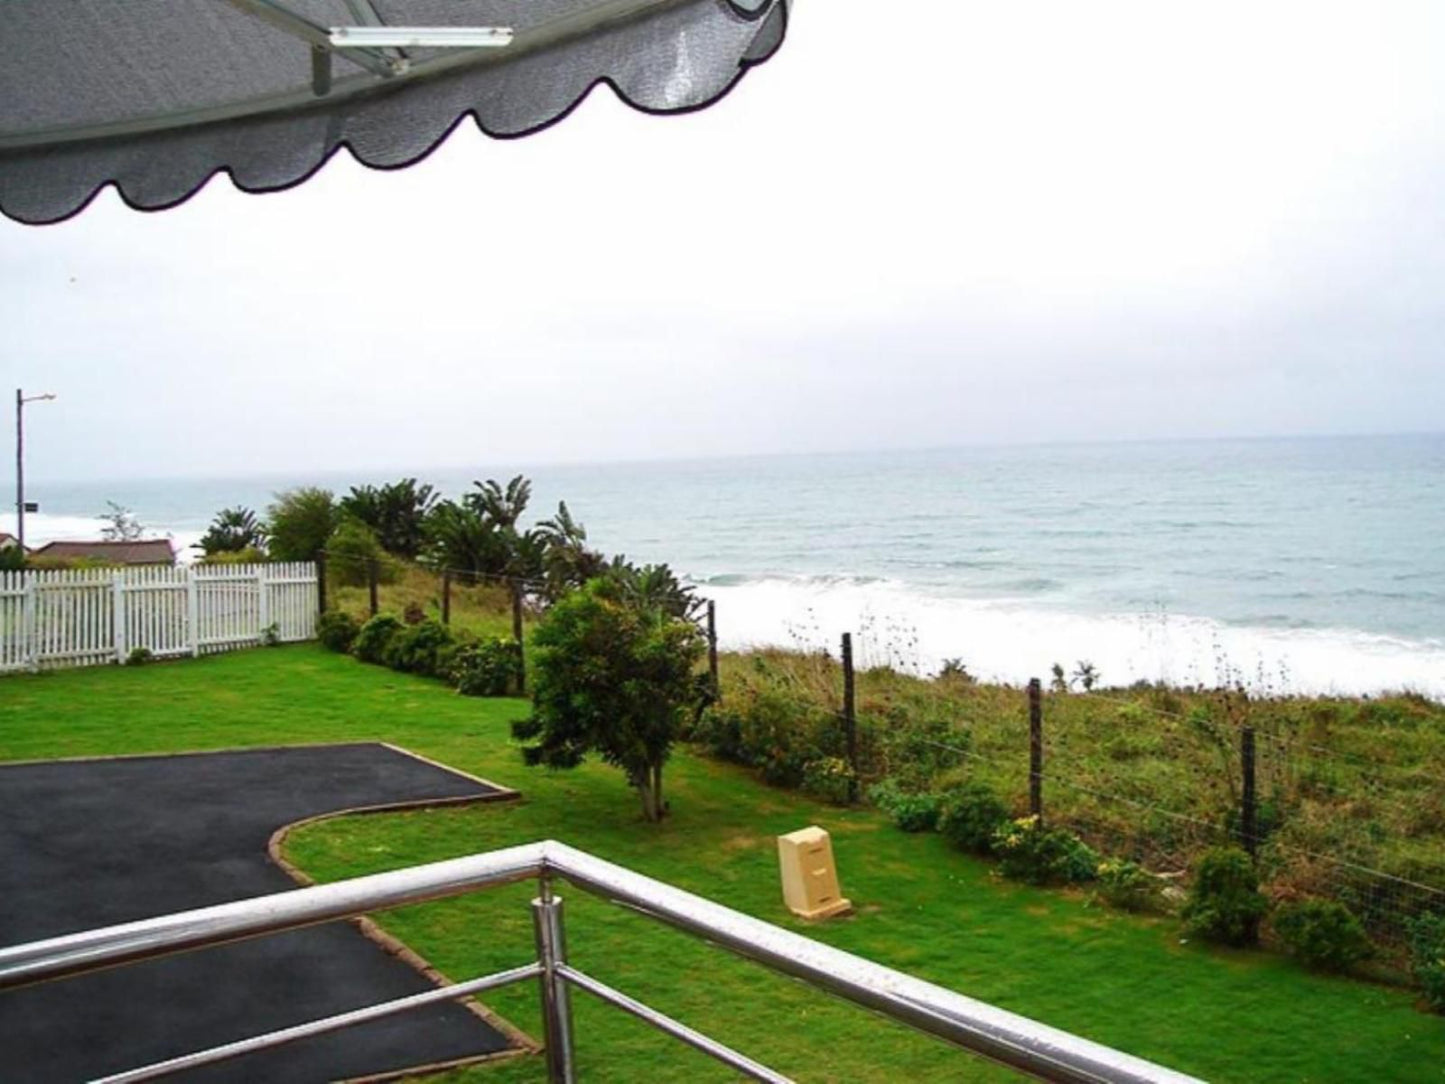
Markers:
<point>380,67</point>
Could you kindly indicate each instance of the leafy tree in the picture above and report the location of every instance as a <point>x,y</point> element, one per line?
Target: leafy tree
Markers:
<point>121,524</point>
<point>567,562</point>
<point>396,513</point>
<point>1058,683</point>
<point>353,549</point>
<point>612,673</point>
<point>12,559</point>
<point>500,507</point>
<point>233,530</point>
<point>654,587</point>
<point>300,522</point>
<point>1086,674</point>
<point>457,537</point>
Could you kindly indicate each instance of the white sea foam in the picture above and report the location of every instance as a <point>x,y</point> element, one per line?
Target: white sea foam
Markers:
<point>1012,641</point>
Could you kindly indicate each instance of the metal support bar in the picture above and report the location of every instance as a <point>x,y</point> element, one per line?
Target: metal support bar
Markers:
<point>678,1030</point>
<point>94,950</point>
<point>556,1001</point>
<point>277,14</point>
<point>320,1027</point>
<point>421,37</point>
<point>320,71</point>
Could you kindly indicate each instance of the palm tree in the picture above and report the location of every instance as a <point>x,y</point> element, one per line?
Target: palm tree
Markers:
<point>233,530</point>
<point>500,507</point>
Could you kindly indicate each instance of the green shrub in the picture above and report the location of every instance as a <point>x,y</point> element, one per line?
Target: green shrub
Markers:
<point>249,556</point>
<point>351,552</point>
<point>1225,904</point>
<point>488,668</point>
<point>829,778</point>
<point>781,736</point>
<point>418,649</point>
<point>919,743</point>
<point>374,637</point>
<point>911,812</point>
<point>719,730</point>
<point>1127,885</point>
<point>1323,934</point>
<point>337,630</point>
<point>970,817</point>
<point>1427,957</point>
<point>1029,852</point>
<point>139,656</point>
<point>299,523</point>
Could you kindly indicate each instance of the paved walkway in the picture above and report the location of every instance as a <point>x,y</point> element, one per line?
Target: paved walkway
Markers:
<point>90,843</point>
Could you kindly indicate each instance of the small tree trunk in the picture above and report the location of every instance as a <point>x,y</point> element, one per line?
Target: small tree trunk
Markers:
<point>657,791</point>
<point>645,792</point>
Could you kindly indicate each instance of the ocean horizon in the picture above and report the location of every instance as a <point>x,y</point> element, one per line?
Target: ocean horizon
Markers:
<point>1292,565</point>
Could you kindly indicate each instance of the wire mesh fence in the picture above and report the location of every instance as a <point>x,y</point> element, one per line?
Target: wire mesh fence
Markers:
<point>1158,776</point>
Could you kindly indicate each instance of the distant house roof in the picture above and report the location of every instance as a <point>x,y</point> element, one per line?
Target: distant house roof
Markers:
<point>155,551</point>
<point>7,540</point>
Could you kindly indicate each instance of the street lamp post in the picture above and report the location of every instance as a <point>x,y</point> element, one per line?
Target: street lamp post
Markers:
<point>20,400</point>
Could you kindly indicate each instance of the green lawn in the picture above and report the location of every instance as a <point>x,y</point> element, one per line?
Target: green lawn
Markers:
<point>1120,980</point>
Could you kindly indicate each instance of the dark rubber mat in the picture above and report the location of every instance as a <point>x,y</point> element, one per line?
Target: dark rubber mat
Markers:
<point>91,843</point>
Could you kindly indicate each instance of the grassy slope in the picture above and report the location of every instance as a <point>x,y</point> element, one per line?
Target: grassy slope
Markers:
<point>1358,779</point>
<point>1124,981</point>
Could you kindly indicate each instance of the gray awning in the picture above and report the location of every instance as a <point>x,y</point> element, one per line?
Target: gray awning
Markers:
<point>156,96</point>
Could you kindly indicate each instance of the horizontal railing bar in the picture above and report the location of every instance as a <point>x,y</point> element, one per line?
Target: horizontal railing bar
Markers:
<point>94,950</point>
<point>1005,1037</point>
<point>678,1030</point>
<point>320,1027</point>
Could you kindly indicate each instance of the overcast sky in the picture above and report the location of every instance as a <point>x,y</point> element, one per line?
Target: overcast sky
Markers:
<point>919,224</point>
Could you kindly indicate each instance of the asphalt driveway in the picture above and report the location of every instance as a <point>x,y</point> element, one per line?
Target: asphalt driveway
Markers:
<point>90,843</point>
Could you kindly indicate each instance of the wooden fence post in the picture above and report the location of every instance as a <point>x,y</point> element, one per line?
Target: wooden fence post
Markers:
<point>850,717</point>
<point>1249,809</point>
<point>193,612</point>
<point>517,635</point>
<point>320,585</point>
<point>1036,749</point>
<point>29,625</point>
<point>712,647</point>
<point>446,596</point>
<point>117,586</point>
<point>263,604</point>
<point>371,577</point>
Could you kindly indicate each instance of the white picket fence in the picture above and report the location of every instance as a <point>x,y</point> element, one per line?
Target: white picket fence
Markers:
<point>90,616</point>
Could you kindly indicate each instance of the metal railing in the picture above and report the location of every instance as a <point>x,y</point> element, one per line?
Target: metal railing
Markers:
<point>1004,1037</point>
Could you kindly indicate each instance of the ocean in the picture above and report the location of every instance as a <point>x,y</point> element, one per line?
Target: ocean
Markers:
<point>1289,565</point>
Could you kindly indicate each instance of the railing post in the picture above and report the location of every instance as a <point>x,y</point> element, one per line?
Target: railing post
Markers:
<point>371,577</point>
<point>1036,749</point>
<point>556,1001</point>
<point>850,716</point>
<point>446,596</point>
